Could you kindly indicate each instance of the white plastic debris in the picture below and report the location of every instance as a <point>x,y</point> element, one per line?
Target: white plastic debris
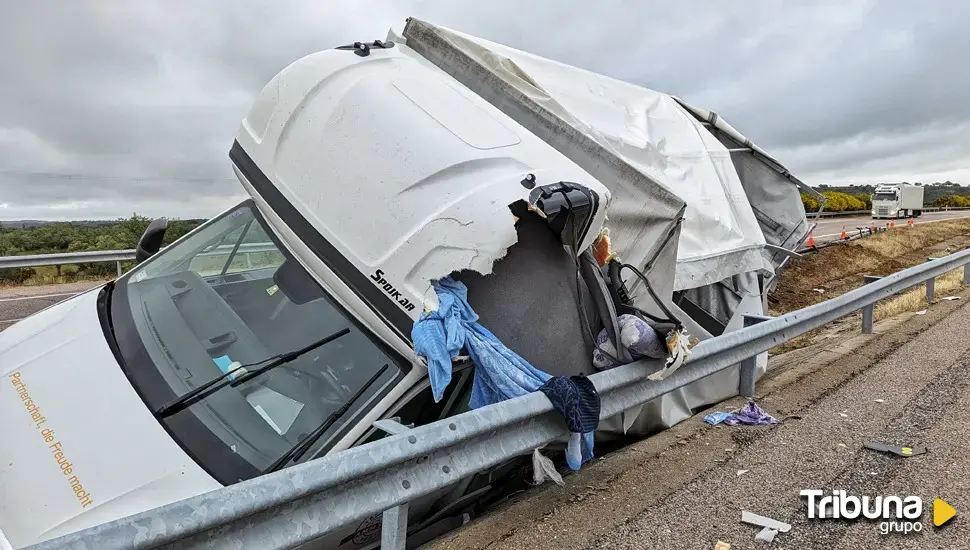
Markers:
<point>767,534</point>
<point>921,312</point>
<point>818,290</point>
<point>951,298</point>
<point>880,400</point>
<point>742,472</point>
<point>843,415</point>
<point>762,521</point>
<point>542,468</point>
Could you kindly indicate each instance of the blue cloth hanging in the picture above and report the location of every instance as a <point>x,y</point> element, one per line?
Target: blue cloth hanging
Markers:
<point>500,373</point>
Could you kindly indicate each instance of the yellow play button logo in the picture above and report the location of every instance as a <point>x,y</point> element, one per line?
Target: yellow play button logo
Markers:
<point>942,512</point>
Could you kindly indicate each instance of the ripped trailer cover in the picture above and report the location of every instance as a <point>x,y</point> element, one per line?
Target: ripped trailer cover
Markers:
<point>646,147</point>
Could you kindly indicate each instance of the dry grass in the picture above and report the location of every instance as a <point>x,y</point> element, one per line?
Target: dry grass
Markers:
<point>838,269</point>
<point>915,298</point>
<point>903,240</point>
<point>47,275</point>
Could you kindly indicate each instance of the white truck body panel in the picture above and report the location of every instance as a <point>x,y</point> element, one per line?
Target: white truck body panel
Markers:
<point>79,446</point>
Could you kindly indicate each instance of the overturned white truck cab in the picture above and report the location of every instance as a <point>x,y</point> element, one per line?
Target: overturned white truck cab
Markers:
<point>280,330</point>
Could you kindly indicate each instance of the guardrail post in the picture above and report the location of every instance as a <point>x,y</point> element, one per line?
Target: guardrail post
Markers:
<point>394,522</point>
<point>118,265</point>
<point>966,274</point>
<point>749,366</point>
<point>869,310</point>
<point>931,285</point>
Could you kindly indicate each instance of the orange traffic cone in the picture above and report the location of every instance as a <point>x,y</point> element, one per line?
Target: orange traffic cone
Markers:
<point>844,236</point>
<point>811,240</point>
<point>910,222</point>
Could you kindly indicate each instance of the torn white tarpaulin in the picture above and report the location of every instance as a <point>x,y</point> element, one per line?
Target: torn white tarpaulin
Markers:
<point>644,130</point>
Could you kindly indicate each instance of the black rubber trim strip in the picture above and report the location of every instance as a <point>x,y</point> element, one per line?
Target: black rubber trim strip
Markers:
<point>359,283</point>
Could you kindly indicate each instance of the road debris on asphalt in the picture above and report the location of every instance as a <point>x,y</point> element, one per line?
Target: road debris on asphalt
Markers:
<point>767,534</point>
<point>717,417</point>
<point>742,472</point>
<point>750,414</point>
<point>762,521</point>
<point>721,545</point>
<point>880,400</point>
<point>895,449</point>
<point>921,312</point>
<point>770,527</point>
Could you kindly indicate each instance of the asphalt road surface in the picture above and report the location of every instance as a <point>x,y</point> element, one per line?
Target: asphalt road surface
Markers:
<point>22,301</point>
<point>830,228</point>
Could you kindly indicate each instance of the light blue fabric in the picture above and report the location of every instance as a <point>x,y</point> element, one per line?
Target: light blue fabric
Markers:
<point>500,373</point>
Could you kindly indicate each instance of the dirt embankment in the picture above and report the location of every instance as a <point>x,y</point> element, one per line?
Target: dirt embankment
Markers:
<point>837,269</point>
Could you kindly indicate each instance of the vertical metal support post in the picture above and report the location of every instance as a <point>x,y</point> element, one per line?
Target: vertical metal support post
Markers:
<point>966,274</point>
<point>118,265</point>
<point>749,366</point>
<point>930,286</point>
<point>869,310</point>
<point>394,528</point>
<point>394,522</point>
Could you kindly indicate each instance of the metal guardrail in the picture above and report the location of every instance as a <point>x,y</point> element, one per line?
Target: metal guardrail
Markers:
<point>301,503</point>
<point>117,256</point>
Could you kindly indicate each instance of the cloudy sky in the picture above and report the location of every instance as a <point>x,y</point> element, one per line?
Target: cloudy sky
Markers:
<point>109,108</point>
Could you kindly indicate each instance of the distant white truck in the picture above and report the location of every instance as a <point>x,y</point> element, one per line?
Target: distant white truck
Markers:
<point>897,200</point>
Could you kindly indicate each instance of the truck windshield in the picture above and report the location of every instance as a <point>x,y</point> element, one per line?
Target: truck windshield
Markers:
<point>884,197</point>
<point>230,294</point>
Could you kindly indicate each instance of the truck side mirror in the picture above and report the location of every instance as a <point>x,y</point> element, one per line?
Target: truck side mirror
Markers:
<point>151,240</point>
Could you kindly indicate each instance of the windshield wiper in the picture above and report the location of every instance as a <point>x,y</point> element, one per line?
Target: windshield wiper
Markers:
<point>221,381</point>
<point>303,446</point>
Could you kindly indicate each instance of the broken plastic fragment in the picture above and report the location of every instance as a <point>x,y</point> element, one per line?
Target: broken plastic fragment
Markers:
<point>767,534</point>
<point>721,545</point>
<point>762,521</point>
<point>895,449</point>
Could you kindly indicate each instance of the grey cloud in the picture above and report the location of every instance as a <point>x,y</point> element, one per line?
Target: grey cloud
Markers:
<point>143,98</point>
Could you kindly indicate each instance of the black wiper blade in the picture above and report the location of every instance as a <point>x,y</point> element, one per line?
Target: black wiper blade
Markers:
<point>223,380</point>
<point>303,446</point>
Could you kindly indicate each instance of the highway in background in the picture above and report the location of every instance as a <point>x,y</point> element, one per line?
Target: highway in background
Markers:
<point>19,302</point>
<point>22,301</point>
<point>830,228</point>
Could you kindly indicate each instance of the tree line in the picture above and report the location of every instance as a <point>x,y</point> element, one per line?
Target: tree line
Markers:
<point>859,197</point>
<point>58,237</point>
